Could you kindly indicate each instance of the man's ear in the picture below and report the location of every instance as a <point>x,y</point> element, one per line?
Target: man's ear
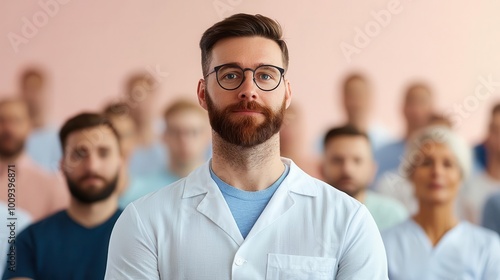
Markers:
<point>288,93</point>
<point>201,93</point>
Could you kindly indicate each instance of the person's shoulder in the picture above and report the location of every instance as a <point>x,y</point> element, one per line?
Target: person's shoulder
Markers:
<point>479,234</point>
<point>170,194</point>
<point>115,216</point>
<point>53,219</point>
<point>379,198</point>
<point>392,145</point>
<point>48,224</point>
<point>389,149</point>
<point>479,181</point>
<point>397,231</point>
<point>167,197</point>
<point>335,200</point>
<point>494,200</point>
<point>303,183</point>
<point>144,184</point>
<point>163,194</point>
<point>383,201</point>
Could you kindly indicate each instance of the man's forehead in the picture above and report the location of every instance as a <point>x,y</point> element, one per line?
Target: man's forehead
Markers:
<point>354,144</point>
<point>91,137</point>
<point>191,118</point>
<point>247,52</point>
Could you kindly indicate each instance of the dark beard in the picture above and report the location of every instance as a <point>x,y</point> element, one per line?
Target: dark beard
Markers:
<point>10,153</point>
<point>245,132</point>
<point>87,197</point>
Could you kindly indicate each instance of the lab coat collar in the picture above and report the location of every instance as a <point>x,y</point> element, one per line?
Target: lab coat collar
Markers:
<point>214,206</point>
<point>200,182</point>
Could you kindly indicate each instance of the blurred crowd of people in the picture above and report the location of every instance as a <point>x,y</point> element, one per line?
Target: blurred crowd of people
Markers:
<point>430,174</point>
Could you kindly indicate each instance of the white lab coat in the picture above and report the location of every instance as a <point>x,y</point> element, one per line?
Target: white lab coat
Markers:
<point>465,252</point>
<point>309,230</point>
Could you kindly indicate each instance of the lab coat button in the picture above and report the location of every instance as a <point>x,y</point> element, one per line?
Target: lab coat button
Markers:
<point>239,261</point>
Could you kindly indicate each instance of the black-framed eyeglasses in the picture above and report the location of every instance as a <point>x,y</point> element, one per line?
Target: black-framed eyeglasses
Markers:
<point>231,76</point>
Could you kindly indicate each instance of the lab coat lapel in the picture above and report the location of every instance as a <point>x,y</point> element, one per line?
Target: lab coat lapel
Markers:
<point>279,204</point>
<point>296,184</point>
<point>213,205</point>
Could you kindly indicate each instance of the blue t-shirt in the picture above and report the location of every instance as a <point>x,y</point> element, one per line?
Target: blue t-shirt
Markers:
<point>491,212</point>
<point>146,160</point>
<point>58,248</point>
<point>480,155</point>
<point>389,157</point>
<point>246,206</point>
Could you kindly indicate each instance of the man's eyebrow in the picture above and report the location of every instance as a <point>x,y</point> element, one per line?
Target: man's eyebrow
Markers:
<point>240,65</point>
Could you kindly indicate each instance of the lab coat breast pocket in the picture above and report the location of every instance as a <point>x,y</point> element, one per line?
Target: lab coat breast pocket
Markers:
<point>291,267</point>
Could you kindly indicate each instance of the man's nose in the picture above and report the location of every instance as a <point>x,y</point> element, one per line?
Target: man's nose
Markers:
<point>248,89</point>
<point>92,163</point>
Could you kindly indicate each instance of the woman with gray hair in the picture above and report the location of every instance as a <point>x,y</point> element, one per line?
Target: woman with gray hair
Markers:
<point>434,243</point>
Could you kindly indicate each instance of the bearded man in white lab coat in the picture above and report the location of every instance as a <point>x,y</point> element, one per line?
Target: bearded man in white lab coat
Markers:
<point>247,213</point>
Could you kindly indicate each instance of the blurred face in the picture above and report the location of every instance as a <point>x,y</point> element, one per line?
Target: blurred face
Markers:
<point>142,100</point>
<point>33,92</point>
<point>246,116</point>
<point>357,99</point>
<point>126,128</point>
<point>14,128</point>
<point>348,164</point>
<point>187,136</point>
<point>91,164</point>
<point>418,107</point>
<point>493,140</point>
<point>437,175</point>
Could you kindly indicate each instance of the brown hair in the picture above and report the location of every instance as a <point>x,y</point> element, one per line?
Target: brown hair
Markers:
<point>496,109</point>
<point>241,25</point>
<point>118,109</point>
<point>343,131</point>
<point>83,121</point>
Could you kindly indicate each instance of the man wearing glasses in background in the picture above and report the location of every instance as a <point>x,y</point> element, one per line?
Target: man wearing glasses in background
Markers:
<point>247,213</point>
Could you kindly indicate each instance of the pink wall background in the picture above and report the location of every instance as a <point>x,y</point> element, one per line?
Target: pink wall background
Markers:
<point>89,47</point>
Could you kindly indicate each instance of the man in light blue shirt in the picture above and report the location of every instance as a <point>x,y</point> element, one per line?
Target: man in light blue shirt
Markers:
<point>186,138</point>
<point>348,165</point>
<point>149,155</point>
<point>418,108</point>
<point>43,143</point>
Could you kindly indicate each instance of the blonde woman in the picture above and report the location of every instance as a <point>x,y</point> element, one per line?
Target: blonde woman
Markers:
<point>434,243</point>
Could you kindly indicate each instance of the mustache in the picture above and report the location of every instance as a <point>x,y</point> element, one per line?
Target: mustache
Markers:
<point>345,177</point>
<point>91,176</point>
<point>247,105</point>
